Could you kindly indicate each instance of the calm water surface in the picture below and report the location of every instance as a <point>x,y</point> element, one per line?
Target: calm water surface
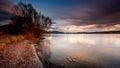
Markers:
<point>83,50</point>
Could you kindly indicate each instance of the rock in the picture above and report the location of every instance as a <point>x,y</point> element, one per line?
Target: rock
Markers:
<point>72,59</point>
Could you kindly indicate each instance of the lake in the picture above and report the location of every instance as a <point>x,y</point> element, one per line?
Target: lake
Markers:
<point>82,50</point>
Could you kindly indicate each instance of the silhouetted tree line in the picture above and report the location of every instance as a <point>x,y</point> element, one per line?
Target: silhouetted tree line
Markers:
<point>28,20</point>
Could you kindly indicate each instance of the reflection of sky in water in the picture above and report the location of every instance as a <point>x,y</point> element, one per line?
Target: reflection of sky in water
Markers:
<point>99,49</point>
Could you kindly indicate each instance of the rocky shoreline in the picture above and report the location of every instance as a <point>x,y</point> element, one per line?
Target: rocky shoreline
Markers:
<point>19,55</point>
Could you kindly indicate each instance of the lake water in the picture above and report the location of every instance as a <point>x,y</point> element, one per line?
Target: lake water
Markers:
<point>82,50</point>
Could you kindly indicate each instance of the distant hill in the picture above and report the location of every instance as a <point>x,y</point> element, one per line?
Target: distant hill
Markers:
<point>102,32</point>
<point>3,28</point>
<point>56,32</point>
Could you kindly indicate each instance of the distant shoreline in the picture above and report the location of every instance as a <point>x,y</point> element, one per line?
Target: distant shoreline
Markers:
<point>105,32</point>
<point>85,33</point>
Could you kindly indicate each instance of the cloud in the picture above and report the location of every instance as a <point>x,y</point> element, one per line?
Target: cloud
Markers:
<point>5,9</point>
<point>98,12</point>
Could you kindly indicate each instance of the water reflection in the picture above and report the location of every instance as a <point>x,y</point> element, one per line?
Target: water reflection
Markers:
<point>90,50</point>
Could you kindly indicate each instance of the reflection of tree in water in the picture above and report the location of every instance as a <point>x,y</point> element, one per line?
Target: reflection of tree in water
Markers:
<point>45,51</point>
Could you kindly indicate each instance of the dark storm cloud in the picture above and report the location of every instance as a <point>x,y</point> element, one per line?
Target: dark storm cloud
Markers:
<point>5,9</point>
<point>4,15</point>
<point>99,12</point>
<point>76,12</point>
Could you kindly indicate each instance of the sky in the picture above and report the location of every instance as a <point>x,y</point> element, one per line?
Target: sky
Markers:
<point>73,15</point>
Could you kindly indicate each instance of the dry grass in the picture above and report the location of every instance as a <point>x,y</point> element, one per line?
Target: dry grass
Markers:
<point>10,39</point>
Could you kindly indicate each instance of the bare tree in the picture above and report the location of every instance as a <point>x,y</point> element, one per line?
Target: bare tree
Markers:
<point>27,18</point>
